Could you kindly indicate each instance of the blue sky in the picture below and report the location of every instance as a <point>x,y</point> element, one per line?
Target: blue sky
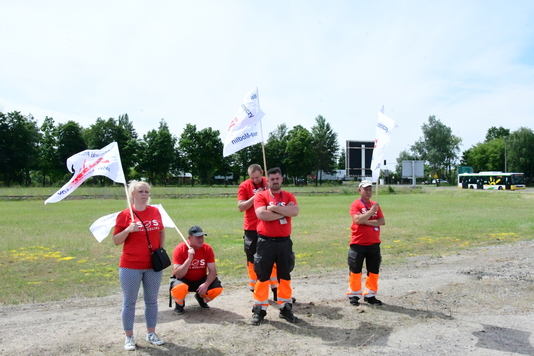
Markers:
<point>469,63</point>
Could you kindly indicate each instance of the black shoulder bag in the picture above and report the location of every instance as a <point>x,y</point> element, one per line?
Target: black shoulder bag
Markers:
<point>160,259</point>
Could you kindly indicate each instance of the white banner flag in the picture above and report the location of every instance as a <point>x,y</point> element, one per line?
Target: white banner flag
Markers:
<point>88,163</point>
<point>245,128</point>
<point>102,226</point>
<point>383,136</point>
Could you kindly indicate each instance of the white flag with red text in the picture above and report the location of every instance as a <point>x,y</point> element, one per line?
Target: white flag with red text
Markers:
<point>101,227</point>
<point>382,138</point>
<point>245,129</point>
<point>88,163</point>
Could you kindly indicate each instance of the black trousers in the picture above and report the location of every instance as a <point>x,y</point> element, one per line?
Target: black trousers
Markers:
<point>369,253</point>
<point>274,250</point>
<point>250,241</point>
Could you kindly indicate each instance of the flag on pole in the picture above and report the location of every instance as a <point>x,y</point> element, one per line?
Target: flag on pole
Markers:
<point>88,163</point>
<point>101,227</point>
<point>245,128</point>
<point>382,137</point>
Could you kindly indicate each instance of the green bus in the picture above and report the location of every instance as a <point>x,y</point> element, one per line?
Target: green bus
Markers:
<point>491,180</point>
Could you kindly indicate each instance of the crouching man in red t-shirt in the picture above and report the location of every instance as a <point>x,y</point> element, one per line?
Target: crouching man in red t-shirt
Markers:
<point>194,271</point>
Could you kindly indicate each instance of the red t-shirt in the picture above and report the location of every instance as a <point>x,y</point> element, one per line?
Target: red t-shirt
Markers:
<point>247,190</point>
<point>135,252</point>
<point>199,265</point>
<point>364,234</point>
<point>273,228</point>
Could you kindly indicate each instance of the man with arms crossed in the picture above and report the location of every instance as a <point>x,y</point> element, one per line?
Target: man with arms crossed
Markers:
<point>367,218</point>
<point>274,209</point>
<point>245,203</point>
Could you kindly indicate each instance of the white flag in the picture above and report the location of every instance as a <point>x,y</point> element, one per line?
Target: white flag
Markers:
<point>102,226</point>
<point>383,136</point>
<point>245,128</point>
<point>88,163</point>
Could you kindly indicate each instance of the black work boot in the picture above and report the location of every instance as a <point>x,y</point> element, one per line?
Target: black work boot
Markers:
<point>179,309</point>
<point>257,315</point>
<point>201,301</point>
<point>354,301</point>
<point>286,313</point>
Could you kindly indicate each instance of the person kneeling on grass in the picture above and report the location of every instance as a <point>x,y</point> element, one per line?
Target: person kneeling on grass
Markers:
<point>194,271</point>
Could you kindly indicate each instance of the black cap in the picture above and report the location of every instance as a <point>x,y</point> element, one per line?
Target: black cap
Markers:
<point>196,231</point>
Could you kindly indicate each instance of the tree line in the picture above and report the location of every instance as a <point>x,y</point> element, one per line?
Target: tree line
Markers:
<point>31,155</point>
<point>36,156</point>
<point>501,150</point>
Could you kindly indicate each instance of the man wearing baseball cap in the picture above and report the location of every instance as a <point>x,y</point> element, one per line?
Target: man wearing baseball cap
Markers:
<point>367,218</point>
<point>194,271</point>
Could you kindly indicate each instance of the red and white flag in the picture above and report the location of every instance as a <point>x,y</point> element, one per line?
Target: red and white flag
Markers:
<point>245,128</point>
<point>88,163</point>
<point>382,137</point>
<point>103,225</point>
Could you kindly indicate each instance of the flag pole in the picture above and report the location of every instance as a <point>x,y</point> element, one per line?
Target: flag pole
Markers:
<point>262,142</point>
<point>128,202</point>
<point>180,233</point>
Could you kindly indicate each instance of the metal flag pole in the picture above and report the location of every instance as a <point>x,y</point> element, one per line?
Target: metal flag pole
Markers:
<point>262,142</point>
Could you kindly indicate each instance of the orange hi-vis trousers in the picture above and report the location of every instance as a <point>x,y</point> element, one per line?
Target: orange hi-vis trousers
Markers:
<point>355,285</point>
<point>180,288</point>
<point>356,257</point>
<point>261,293</point>
<point>252,277</point>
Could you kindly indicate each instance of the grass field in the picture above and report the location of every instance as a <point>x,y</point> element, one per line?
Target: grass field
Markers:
<point>48,253</point>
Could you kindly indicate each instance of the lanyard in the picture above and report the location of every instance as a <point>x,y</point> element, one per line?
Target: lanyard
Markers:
<point>274,199</point>
<point>366,207</point>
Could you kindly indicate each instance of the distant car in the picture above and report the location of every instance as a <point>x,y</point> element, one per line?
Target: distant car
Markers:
<point>440,181</point>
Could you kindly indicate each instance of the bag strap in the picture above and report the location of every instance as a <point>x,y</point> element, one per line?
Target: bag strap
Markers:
<point>146,232</point>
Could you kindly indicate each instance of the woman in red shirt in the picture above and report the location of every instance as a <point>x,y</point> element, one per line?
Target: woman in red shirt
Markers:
<point>135,266</point>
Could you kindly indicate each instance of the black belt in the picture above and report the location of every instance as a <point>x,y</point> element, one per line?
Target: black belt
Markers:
<point>276,239</point>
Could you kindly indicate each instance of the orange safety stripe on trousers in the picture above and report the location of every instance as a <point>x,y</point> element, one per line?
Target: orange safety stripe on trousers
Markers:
<point>252,277</point>
<point>212,294</point>
<point>355,284</point>
<point>179,292</point>
<point>261,293</point>
<point>371,284</point>
<point>285,292</point>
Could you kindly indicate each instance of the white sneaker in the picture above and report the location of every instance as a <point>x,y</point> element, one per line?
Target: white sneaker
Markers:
<point>154,339</point>
<point>129,343</point>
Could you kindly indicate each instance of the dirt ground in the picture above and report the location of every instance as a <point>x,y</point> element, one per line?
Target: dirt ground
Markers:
<point>477,302</point>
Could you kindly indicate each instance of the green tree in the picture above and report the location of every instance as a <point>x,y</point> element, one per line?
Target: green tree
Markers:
<point>438,146</point>
<point>19,141</point>
<point>324,147</point>
<point>299,162</point>
<point>487,156</point>
<point>103,132</point>
<point>70,141</point>
<point>158,152</point>
<point>276,147</point>
<point>202,152</point>
<point>341,163</point>
<point>494,133</point>
<point>520,152</point>
<point>242,159</point>
<point>49,163</point>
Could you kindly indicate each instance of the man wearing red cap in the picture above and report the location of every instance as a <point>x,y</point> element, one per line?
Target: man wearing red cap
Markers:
<point>367,218</point>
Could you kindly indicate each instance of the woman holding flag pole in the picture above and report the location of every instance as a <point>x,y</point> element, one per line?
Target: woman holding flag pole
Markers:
<point>135,266</point>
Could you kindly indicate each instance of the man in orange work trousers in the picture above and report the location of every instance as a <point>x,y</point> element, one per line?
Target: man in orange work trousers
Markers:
<point>274,208</point>
<point>245,203</point>
<point>367,218</point>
